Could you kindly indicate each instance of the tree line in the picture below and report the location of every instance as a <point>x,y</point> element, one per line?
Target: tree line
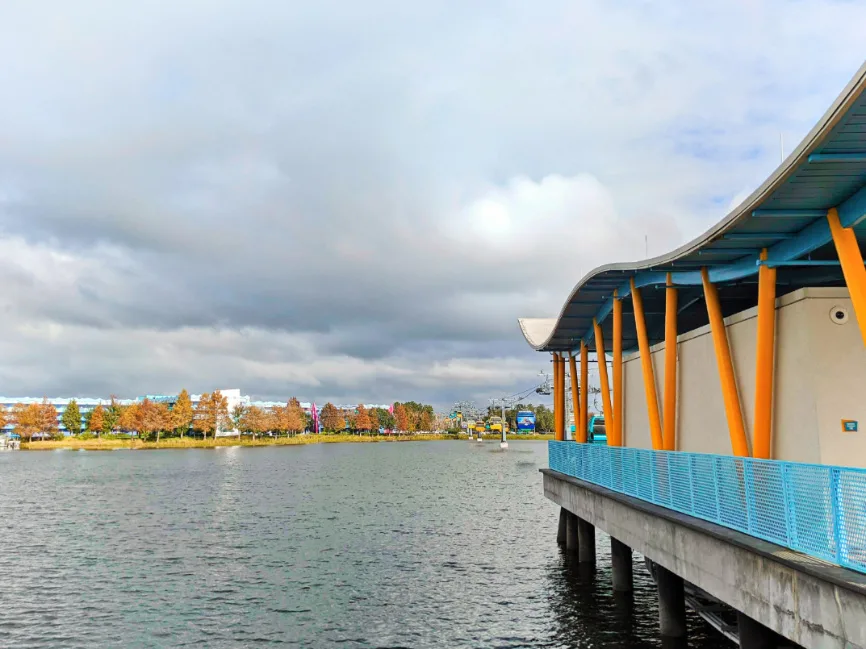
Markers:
<point>153,419</point>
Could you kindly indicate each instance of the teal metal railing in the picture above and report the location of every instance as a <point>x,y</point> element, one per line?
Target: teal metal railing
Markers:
<point>816,509</point>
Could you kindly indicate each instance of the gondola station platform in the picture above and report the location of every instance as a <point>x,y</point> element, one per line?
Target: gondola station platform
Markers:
<point>732,374</point>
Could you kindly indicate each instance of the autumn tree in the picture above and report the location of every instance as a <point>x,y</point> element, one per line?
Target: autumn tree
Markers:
<point>211,413</point>
<point>25,419</point>
<point>349,419</point>
<point>331,418</point>
<point>96,420</point>
<point>71,418</point>
<point>254,421</point>
<point>401,418</point>
<point>129,418</point>
<point>112,416</point>
<point>182,413</point>
<point>47,418</point>
<point>362,419</point>
<point>152,418</point>
<point>4,417</point>
<point>373,414</point>
<point>426,419</point>
<point>295,418</point>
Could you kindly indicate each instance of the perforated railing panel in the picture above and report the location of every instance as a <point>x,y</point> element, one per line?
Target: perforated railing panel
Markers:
<point>811,508</point>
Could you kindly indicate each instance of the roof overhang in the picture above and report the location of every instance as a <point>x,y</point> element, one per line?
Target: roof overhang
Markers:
<point>786,215</point>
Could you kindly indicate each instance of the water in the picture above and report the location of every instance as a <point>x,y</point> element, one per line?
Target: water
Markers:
<point>424,544</point>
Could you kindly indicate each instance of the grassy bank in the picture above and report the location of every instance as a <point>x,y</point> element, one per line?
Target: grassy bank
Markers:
<point>75,443</point>
<point>188,442</point>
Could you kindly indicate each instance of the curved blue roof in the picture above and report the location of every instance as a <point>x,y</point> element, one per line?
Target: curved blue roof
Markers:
<point>787,215</point>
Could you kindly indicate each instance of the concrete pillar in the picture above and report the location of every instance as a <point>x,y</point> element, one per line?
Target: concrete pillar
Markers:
<point>571,540</point>
<point>672,603</point>
<point>621,566</point>
<point>563,523</point>
<point>754,635</point>
<point>586,541</point>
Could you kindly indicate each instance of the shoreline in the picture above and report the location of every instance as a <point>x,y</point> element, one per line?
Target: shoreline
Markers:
<point>101,444</point>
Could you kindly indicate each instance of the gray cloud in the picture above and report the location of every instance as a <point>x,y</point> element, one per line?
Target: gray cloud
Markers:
<point>356,200</point>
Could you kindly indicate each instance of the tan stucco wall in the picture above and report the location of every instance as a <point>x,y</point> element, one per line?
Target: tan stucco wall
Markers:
<point>820,379</point>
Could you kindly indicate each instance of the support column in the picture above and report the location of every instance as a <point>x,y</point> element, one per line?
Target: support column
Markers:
<point>601,359</point>
<point>617,424</point>
<point>560,362</point>
<point>765,350</point>
<point>621,566</point>
<point>557,433</point>
<point>575,393</point>
<point>572,542</point>
<point>586,541</point>
<point>672,603</point>
<point>733,411</point>
<point>563,525</point>
<point>754,635</point>
<point>646,361</point>
<point>669,419</point>
<point>584,396</point>
<point>851,259</point>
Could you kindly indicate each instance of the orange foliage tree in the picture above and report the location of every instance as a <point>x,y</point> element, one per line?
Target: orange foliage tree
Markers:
<point>401,418</point>
<point>331,418</point>
<point>362,419</point>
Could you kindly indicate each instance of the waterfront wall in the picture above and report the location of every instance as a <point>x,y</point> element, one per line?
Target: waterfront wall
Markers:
<point>820,378</point>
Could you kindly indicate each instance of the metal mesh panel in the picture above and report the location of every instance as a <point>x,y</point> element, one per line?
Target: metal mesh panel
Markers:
<point>851,504</point>
<point>766,492</point>
<point>679,466</point>
<point>630,475</point>
<point>644,475</point>
<point>705,484</point>
<point>809,506</point>
<point>732,492</point>
<point>815,509</point>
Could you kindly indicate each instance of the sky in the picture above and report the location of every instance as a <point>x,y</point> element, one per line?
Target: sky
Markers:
<point>354,201</point>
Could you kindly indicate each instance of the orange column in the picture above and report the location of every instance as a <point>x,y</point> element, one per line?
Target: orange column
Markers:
<point>646,361</point>
<point>575,392</point>
<point>601,358</point>
<point>557,407</point>
<point>584,394</point>
<point>851,259</point>
<point>669,433</point>
<point>765,351</point>
<point>733,411</point>
<point>617,423</point>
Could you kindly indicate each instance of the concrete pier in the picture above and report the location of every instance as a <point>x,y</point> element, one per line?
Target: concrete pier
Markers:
<point>672,603</point>
<point>754,635</point>
<point>586,541</point>
<point>621,566</point>
<point>571,538</point>
<point>561,531</point>
<point>811,603</point>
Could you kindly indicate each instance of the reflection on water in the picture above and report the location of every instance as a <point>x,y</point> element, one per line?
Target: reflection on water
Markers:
<point>436,544</point>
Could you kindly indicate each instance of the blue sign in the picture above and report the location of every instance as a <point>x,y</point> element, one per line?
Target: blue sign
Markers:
<point>526,420</point>
<point>849,425</point>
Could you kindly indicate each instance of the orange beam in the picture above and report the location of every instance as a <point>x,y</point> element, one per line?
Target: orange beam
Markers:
<point>728,380</point>
<point>575,393</point>
<point>557,432</point>
<point>669,432</point>
<point>616,424</point>
<point>851,259</point>
<point>765,350</point>
<point>646,361</point>
<point>602,374</point>
<point>584,395</point>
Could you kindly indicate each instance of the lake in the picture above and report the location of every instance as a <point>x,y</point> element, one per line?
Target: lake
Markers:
<point>421,544</point>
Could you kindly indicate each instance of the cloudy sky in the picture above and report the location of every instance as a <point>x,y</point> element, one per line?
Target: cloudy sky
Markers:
<point>354,200</point>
